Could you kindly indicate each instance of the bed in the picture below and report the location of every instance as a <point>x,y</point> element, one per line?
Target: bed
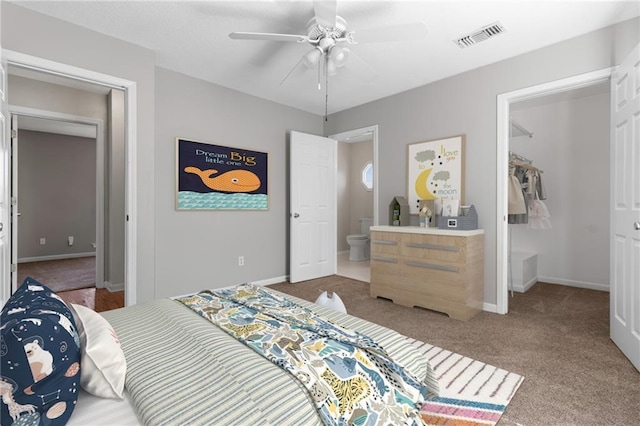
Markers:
<point>183,369</point>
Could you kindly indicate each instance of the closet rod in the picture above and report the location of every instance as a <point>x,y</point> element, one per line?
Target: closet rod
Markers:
<point>514,156</point>
<point>519,160</point>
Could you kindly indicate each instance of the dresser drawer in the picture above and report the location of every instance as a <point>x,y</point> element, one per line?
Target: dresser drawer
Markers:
<point>437,247</point>
<point>434,273</point>
<point>387,266</point>
<point>385,243</point>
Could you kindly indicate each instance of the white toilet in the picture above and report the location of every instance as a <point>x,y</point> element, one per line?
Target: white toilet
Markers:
<point>359,243</point>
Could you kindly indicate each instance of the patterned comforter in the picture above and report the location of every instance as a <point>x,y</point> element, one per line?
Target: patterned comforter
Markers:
<point>182,369</point>
<point>350,378</point>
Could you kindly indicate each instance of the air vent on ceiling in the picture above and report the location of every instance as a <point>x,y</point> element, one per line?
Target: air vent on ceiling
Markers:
<point>480,35</point>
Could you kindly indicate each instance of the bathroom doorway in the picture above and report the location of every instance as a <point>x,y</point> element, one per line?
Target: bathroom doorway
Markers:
<point>356,200</point>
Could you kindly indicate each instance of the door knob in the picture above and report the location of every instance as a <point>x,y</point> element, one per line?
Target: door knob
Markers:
<point>296,215</point>
<point>637,226</point>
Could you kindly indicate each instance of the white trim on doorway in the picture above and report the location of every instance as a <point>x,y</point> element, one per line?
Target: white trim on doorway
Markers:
<point>502,158</point>
<point>129,87</point>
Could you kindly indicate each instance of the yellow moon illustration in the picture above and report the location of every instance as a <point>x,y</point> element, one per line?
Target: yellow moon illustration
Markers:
<point>421,186</point>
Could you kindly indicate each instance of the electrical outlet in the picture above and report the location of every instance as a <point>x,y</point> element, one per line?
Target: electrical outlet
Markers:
<point>43,241</point>
<point>70,240</point>
<point>240,260</point>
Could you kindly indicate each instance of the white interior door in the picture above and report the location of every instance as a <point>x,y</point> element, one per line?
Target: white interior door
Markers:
<point>625,207</point>
<point>14,203</point>
<point>5,278</point>
<point>312,220</point>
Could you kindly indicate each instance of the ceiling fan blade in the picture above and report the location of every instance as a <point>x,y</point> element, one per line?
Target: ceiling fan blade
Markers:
<point>364,71</point>
<point>268,36</point>
<point>399,32</point>
<point>299,67</point>
<point>325,11</point>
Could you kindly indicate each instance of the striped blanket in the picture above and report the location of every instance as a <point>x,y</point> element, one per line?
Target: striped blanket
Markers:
<point>350,378</point>
<point>181,369</point>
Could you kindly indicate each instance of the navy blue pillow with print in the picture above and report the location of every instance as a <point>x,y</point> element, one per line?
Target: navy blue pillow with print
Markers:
<point>40,352</point>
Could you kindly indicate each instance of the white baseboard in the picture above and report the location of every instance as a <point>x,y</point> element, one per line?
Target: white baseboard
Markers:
<point>490,307</point>
<point>270,281</point>
<point>574,283</point>
<point>521,288</point>
<point>55,257</point>
<point>113,287</point>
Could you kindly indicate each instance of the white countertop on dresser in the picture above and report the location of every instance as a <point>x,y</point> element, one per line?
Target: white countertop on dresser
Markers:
<point>427,231</point>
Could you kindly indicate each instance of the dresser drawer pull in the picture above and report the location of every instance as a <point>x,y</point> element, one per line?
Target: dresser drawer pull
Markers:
<point>387,242</point>
<point>432,266</point>
<point>432,246</point>
<point>384,259</point>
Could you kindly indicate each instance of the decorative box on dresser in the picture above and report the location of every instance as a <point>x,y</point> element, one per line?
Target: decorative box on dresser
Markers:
<point>433,268</point>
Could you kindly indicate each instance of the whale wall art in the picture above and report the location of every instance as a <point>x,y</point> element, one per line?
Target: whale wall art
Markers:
<point>435,171</point>
<point>214,177</point>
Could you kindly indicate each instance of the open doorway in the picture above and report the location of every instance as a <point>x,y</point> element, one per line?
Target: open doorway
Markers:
<point>563,168</point>
<point>356,200</point>
<point>91,219</point>
<point>505,102</point>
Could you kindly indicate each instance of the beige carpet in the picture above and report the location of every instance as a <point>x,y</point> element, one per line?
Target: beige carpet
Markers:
<point>557,337</point>
<point>61,275</point>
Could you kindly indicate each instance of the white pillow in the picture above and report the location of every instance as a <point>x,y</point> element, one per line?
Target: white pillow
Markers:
<point>102,363</point>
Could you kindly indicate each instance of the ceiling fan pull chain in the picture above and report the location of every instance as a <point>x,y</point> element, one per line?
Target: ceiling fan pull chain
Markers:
<point>326,87</point>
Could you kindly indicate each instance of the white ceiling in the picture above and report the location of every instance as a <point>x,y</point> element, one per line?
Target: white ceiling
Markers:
<point>192,38</point>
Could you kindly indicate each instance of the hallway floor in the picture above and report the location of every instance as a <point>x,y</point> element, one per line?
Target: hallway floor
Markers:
<point>355,270</point>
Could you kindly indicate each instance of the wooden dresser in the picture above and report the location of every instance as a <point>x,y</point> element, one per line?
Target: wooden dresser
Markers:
<point>433,268</point>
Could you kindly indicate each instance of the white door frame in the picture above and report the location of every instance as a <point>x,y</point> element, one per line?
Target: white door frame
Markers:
<point>99,125</point>
<point>11,57</point>
<point>502,158</point>
<point>359,132</point>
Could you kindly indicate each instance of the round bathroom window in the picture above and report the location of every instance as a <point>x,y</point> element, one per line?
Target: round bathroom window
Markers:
<point>367,176</point>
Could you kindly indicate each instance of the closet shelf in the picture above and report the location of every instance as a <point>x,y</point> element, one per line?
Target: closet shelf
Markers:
<point>516,129</point>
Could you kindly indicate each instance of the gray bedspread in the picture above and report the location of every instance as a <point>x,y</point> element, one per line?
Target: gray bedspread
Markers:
<point>181,369</point>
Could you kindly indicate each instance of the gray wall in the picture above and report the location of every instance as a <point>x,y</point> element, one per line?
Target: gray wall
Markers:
<point>199,249</point>
<point>466,103</point>
<point>571,145</point>
<point>343,196</point>
<point>30,93</point>
<point>61,42</point>
<point>57,198</point>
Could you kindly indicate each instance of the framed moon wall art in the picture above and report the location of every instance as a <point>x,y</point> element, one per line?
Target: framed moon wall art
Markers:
<point>435,171</point>
<point>214,177</point>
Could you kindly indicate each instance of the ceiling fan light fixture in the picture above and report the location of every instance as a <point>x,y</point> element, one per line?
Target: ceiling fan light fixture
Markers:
<point>338,55</point>
<point>312,57</point>
<point>332,69</point>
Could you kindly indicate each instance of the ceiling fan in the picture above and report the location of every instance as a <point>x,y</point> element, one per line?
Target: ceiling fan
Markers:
<point>330,36</point>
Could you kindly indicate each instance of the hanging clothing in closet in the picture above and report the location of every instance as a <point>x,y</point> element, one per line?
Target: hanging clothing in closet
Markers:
<point>526,193</point>
<point>517,202</point>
